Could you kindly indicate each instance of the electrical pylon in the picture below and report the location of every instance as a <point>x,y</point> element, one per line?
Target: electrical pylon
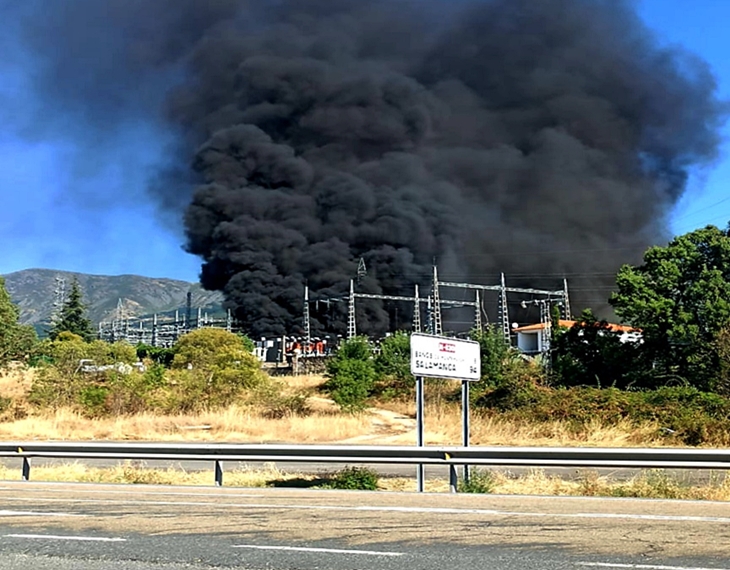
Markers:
<point>417,312</point>
<point>567,314</point>
<point>504,310</point>
<point>351,326</point>
<point>436,322</point>
<point>477,312</point>
<point>307,325</point>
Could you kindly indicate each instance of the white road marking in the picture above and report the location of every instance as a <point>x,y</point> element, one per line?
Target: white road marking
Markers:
<point>643,566</point>
<point>416,510</point>
<point>62,537</point>
<point>6,513</point>
<point>325,550</point>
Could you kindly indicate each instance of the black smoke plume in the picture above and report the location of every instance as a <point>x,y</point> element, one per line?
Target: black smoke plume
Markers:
<point>536,138</point>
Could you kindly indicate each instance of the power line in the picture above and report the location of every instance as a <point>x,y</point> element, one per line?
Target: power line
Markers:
<point>690,214</point>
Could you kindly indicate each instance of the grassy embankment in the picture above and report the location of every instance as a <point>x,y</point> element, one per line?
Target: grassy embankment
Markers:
<point>390,423</point>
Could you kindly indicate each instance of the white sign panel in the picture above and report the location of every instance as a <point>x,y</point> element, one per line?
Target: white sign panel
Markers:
<point>441,357</point>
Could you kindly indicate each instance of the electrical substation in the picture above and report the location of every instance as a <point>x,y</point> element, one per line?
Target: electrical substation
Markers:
<point>428,316</point>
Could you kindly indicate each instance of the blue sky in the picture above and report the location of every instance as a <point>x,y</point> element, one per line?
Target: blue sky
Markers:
<point>701,27</point>
<point>109,228</point>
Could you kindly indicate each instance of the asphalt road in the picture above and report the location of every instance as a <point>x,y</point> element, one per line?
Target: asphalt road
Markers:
<point>89,527</point>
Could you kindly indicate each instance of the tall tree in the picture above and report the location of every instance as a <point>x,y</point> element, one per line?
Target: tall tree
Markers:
<point>16,340</point>
<point>73,317</point>
<point>592,353</point>
<point>680,298</point>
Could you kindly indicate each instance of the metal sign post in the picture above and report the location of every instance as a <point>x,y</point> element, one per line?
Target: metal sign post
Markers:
<point>442,357</point>
<point>465,421</point>
<point>420,471</point>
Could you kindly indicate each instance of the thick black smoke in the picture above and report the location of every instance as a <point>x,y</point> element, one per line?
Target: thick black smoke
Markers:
<point>538,139</point>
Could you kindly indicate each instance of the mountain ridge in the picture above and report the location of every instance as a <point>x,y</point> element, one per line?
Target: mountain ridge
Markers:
<point>35,291</point>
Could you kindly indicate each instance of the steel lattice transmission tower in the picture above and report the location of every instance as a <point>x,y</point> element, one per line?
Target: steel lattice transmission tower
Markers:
<point>477,312</point>
<point>362,270</point>
<point>547,325</point>
<point>436,325</point>
<point>351,326</point>
<point>59,298</point>
<point>307,324</point>
<point>504,310</point>
<point>417,312</point>
<point>567,314</point>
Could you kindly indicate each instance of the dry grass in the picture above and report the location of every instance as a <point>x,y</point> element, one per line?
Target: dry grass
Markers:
<point>394,425</point>
<point>231,424</point>
<point>647,484</point>
<point>307,381</point>
<point>136,474</point>
<point>443,426</point>
<point>15,383</point>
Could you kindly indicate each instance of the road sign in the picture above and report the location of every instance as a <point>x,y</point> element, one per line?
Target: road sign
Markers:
<point>441,357</point>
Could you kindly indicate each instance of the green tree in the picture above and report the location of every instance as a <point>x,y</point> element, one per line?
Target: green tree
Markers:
<point>73,317</point>
<point>393,365</point>
<point>680,299</point>
<point>217,364</point>
<point>351,374</point>
<point>16,340</point>
<point>591,353</point>
<point>723,351</point>
<point>495,354</point>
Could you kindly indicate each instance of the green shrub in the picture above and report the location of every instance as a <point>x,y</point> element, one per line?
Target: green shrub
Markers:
<point>157,354</point>
<point>355,478</point>
<point>683,414</point>
<point>351,374</point>
<point>652,484</point>
<point>211,369</point>
<point>480,481</point>
<point>495,355</point>
<point>393,367</point>
<point>93,400</point>
<point>351,384</point>
<point>276,401</point>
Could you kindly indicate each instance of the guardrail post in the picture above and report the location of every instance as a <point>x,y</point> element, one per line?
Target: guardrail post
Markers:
<point>218,474</point>
<point>453,479</point>
<point>26,468</point>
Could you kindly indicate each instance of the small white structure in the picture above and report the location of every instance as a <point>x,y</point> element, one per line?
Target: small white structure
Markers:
<point>529,337</point>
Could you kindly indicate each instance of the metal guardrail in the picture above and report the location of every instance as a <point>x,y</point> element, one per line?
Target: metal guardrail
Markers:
<point>631,458</point>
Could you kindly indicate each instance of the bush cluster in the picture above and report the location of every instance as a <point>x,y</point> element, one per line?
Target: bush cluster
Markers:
<point>355,478</point>
<point>682,414</point>
<point>207,369</point>
<point>358,370</point>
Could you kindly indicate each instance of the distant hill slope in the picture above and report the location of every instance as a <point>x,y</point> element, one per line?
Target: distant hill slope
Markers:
<point>33,291</point>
